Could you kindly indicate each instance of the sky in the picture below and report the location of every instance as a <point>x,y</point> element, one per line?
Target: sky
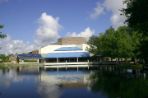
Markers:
<point>31,24</point>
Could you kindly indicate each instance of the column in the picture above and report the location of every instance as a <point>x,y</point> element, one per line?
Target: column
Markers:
<point>57,60</point>
<point>77,59</point>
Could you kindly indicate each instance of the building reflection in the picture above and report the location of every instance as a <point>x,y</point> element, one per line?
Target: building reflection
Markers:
<point>52,83</point>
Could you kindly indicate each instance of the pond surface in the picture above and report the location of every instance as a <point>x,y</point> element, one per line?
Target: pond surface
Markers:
<point>71,84</point>
<point>46,84</point>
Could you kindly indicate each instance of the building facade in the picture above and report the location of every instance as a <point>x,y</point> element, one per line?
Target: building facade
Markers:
<point>66,51</point>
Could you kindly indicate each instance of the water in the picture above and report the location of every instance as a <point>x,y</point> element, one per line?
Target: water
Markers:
<point>46,84</point>
<point>71,84</point>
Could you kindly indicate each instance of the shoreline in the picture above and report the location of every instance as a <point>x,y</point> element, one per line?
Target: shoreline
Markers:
<point>12,65</point>
<point>120,66</point>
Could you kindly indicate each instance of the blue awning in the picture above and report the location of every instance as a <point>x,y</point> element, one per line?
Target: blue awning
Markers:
<point>29,56</point>
<point>66,55</point>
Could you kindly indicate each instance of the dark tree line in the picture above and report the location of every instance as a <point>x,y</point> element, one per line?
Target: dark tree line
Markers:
<point>137,18</point>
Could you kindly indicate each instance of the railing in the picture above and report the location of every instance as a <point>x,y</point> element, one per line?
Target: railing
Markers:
<point>70,63</point>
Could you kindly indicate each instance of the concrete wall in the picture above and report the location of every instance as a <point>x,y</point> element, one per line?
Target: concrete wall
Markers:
<point>72,40</point>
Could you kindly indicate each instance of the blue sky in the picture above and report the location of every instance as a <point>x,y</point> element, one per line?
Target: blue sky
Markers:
<point>23,19</point>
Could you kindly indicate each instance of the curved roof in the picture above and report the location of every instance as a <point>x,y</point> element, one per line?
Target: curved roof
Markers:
<point>66,55</point>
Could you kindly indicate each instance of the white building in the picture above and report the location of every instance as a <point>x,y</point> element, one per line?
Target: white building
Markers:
<point>67,51</point>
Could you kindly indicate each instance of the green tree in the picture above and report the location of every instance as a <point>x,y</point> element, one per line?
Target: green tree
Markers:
<point>120,43</point>
<point>4,58</point>
<point>137,18</point>
<point>100,45</point>
<point>127,42</point>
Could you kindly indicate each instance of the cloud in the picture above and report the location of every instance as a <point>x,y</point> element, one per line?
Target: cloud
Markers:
<point>46,33</point>
<point>10,46</point>
<point>113,6</point>
<point>117,20</point>
<point>87,33</point>
<point>97,11</point>
<point>48,30</point>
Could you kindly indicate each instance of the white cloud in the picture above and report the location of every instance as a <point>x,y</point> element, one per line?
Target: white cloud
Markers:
<point>46,33</point>
<point>87,33</point>
<point>10,46</point>
<point>117,20</point>
<point>114,6</point>
<point>48,30</point>
<point>97,11</point>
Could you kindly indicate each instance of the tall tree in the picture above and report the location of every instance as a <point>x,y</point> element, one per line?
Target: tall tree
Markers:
<point>137,18</point>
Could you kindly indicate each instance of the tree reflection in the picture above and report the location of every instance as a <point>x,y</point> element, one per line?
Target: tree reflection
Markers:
<point>120,85</point>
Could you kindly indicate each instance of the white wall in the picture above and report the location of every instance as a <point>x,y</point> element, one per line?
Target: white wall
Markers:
<point>51,48</point>
<point>85,47</point>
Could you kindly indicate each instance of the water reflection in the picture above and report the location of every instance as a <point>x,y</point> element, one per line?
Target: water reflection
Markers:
<point>52,83</point>
<point>16,83</point>
<point>13,85</point>
<point>8,76</point>
<point>46,84</point>
<point>66,84</point>
<point>120,85</point>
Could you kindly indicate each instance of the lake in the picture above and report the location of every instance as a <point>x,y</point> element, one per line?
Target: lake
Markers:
<point>71,84</point>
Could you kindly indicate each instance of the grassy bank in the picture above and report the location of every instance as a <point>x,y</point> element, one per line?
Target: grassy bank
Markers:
<point>120,66</point>
<point>131,66</point>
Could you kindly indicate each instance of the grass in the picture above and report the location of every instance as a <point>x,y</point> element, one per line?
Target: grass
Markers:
<point>131,66</point>
<point>30,60</point>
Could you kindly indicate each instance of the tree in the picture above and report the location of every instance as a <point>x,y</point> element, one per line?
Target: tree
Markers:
<point>100,45</point>
<point>120,43</point>
<point>4,58</point>
<point>137,18</point>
